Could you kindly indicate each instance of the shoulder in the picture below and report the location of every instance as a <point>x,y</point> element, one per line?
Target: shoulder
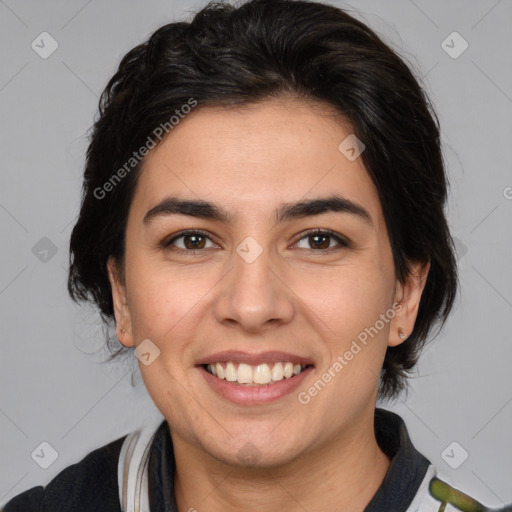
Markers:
<point>90,484</point>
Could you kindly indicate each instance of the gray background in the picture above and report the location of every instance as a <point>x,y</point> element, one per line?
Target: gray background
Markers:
<point>53,387</point>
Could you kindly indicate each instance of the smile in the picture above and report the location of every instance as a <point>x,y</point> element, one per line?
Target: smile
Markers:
<point>255,375</point>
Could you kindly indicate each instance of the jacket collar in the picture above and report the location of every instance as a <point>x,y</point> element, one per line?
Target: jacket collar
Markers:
<point>408,466</point>
<point>397,491</point>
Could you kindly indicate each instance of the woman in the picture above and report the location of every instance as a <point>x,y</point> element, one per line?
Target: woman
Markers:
<point>263,218</point>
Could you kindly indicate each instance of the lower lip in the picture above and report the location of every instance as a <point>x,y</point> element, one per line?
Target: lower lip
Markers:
<point>254,395</point>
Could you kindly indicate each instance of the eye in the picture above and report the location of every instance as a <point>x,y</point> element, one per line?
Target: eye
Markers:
<point>320,240</point>
<point>190,242</point>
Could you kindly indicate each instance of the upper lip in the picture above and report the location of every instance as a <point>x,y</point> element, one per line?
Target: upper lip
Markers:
<point>252,358</point>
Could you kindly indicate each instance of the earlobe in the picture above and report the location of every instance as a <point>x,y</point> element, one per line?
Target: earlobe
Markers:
<point>408,295</point>
<point>397,331</point>
<point>121,307</point>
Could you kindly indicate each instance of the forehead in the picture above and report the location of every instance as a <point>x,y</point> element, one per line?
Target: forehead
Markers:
<point>254,158</point>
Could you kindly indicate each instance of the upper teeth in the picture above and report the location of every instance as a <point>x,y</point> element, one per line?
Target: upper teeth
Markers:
<point>257,374</point>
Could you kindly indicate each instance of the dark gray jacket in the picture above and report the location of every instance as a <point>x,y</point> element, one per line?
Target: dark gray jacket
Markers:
<point>91,485</point>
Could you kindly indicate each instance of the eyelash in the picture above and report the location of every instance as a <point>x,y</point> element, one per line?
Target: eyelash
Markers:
<point>343,243</point>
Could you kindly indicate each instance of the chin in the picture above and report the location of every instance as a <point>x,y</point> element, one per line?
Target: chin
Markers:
<point>244,453</point>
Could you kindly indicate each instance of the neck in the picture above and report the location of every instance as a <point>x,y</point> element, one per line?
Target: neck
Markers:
<point>346,471</point>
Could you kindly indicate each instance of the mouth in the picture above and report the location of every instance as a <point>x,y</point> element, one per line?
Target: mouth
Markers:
<point>250,379</point>
<point>263,374</point>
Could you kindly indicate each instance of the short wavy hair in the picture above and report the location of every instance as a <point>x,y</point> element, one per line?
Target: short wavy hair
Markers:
<point>231,56</point>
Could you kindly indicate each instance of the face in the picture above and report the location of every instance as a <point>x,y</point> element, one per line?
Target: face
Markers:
<point>268,273</point>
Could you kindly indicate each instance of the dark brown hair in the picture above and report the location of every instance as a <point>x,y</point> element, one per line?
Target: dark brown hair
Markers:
<point>261,49</point>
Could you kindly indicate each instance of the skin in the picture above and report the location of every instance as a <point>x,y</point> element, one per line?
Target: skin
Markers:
<point>291,298</point>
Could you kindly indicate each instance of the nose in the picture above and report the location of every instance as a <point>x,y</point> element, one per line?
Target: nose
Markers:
<point>254,296</point>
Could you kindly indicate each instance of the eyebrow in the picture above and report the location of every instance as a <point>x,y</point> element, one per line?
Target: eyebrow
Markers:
<point>287,211</point>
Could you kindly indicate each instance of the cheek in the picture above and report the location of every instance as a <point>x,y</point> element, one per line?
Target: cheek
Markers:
<point>164,300</point>
<point>345,298</point>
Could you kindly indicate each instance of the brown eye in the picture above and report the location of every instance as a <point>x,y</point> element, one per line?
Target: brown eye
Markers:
<point>194,241</point>
<point>321,240</point>
<point>189,242</point>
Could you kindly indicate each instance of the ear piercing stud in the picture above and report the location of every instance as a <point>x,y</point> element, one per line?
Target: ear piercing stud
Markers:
<point>401,334</point>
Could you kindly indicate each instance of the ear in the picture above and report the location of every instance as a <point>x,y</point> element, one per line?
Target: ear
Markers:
<point>121,306</point>
<point>407,295</point>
